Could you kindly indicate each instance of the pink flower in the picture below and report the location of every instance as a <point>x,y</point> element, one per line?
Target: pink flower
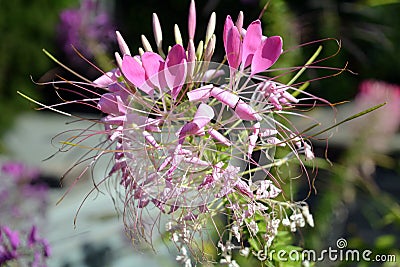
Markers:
<point>114,102</point>
<point>267,190</point>
<point>382,124</point>
<point>135,72</point>
<point>276,94</point>
<point>176,69</point>
<point>12,236</point>
<point>203,116</point>
<point>243,110</point>
<point>150,71</point>
<point>253,49</point>
<point>108,78</point>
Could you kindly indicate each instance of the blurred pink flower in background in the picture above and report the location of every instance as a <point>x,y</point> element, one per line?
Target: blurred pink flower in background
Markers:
<point>381,125</point>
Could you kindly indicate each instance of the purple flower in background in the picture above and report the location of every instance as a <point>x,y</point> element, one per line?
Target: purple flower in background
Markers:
<point>32,250</point>
<point>12,236</point>
<point>23,206</point>
<point>19,171</point>
<point>88,28</point>
<point>15,169</point>
<point>20,181</point>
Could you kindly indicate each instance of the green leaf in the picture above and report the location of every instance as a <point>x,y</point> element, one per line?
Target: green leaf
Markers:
<point>350,118</point>
<point>381,2</point>
<point>254,244</point>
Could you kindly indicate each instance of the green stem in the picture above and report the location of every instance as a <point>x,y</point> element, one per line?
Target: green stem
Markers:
<point>65,67</point>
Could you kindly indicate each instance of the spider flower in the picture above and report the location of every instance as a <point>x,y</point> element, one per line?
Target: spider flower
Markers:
<point>191,138</point>
<point>249,47</point>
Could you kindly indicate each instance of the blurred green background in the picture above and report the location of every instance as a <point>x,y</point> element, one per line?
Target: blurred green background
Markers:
<point>369,32</point>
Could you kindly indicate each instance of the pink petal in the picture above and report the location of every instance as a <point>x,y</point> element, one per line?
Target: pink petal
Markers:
<point>116,120</point>
<point>179,155</point>
<point>33,236</point>
<point>244,188</point>
<point>203,116</point>
<point>245,112</point>
<point>188,128</point>
<point>226,97</point>
<point>253,138</point>
<point>212,74</point>
<point>176,55</point>
<point>227,26</point>
<point>233,47</point>
<point>196,161</point>
<point>176,69</point>
<point>106,79</point>
<point>275,101</point>
<point>267,190</point>
<point>251,42</point>
<point>201,93</point>
<point>289,97</point>
<point>219,137</point>
<point>153,65</point>
<point>150,139</point>
<point>179,72</point>
<point>267,54</point>
<point>274,191</point>
<point>135,73</point>
<point>239,21</point>
<point>121,105</point>
<point>152,125</point>
<point>108,103</point>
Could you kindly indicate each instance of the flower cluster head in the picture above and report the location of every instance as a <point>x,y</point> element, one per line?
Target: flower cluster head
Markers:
<point>192,139</point>
<point>31,250</point>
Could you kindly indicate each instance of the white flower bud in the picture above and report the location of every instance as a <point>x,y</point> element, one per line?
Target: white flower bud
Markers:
<point>178,36</point>
<point>157,34</point>
<point>200,50</point>
<point>122,44</point>
<point>210,28</point>
<point>146,44</point>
